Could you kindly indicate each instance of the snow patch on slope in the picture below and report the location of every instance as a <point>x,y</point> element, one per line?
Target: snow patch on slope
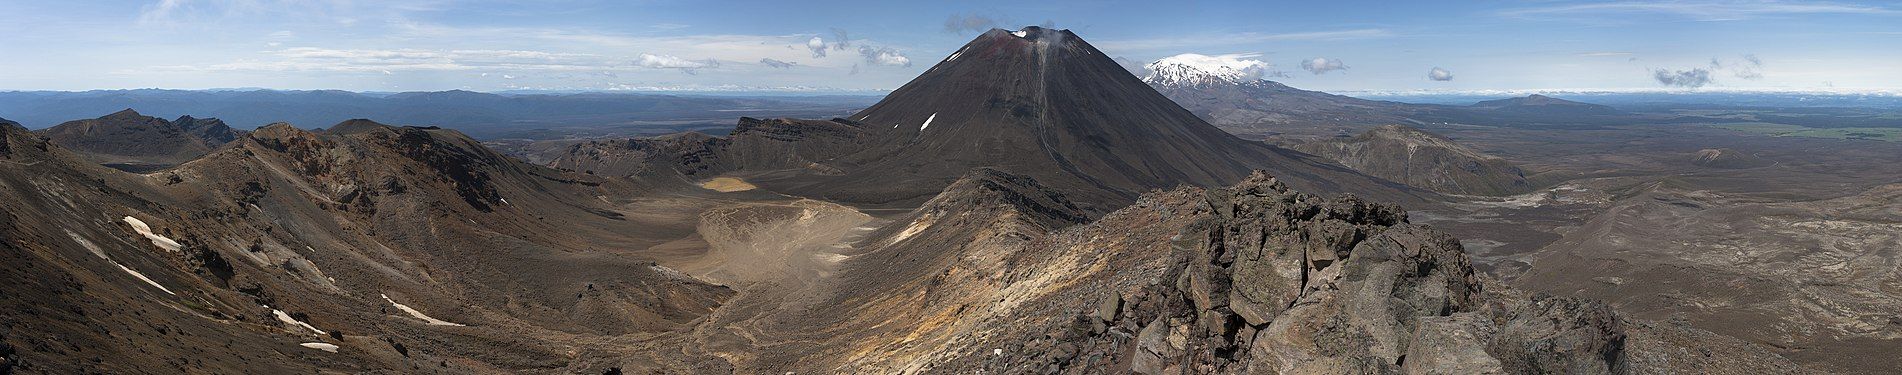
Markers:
<point>102,255</point>
<point>288,320</point>
<point>419,314</point>
<point>88,245</point>
<point>146,230</point>
<point>1194,69</point>
<point>324,346</point>
<point>934,116</point>
<point>142,277</point>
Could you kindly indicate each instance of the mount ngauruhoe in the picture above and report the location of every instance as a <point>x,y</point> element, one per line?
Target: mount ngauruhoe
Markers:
<point>1039,102</point>
<point>1024,206</point>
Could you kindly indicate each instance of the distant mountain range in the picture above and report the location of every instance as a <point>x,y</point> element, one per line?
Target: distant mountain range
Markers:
<point>482,115</point>
<point>1247,105</point>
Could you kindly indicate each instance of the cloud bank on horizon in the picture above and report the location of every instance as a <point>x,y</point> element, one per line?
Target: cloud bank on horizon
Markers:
<point>844,46</point>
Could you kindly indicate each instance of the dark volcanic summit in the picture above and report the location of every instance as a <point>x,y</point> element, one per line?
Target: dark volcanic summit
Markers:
<point>1047,104</point>
<point>132,141</point>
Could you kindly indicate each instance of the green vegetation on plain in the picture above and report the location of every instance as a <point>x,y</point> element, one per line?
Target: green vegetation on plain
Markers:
<point>1783,130</point>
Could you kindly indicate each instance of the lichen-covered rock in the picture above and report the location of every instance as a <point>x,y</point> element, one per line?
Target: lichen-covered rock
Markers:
<point>1362,317</point>
<point>1451,345</point>
<point>1558,335</point>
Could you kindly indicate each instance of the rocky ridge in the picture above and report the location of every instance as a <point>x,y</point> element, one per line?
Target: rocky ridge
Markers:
<point>129,140</point>
<point>1254,278</point>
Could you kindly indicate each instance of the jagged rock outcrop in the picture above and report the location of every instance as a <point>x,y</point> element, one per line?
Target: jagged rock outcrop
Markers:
<point>1424,160</point>
<point>807,145</point>
<point>9,127</point>
<point>1258,278</point>
<point>686,153</point>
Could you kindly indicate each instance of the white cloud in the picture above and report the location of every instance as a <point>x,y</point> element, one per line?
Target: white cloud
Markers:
<point>1190,67</point>
<point>1439,74</point>
<point>724,47</point>
<point>840,39</point>
<point>772,63</point>
<point>162,11</point>
<point>817,46</point>
<point>213,13</point>
<point>883,56</point>
<point>1691,78</point>
<point>1695,10</point>
<point>1186,41</point>
<point>1135,67</point>
<point>653,61</point>
<point>369,60</point>
<point>1750,68</point>
<point>1320,65</point>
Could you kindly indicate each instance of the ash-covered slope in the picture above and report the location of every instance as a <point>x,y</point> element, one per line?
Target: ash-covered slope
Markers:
<point>1812,278</point>
<point>388,250</point>
<point>1424,160</point>
<point>1038,102</point>
<point>129,140</point>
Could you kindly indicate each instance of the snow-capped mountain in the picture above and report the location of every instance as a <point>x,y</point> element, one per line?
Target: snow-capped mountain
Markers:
<point>1230,92</point>
<point>1191,69</point>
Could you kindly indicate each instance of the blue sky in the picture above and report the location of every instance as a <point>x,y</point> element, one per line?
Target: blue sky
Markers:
<point>493,45</point>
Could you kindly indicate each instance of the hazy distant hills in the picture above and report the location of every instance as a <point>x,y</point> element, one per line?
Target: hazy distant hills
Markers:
<point>1541,104</point>
<point>482,115</point>
<point>1254,107</point>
